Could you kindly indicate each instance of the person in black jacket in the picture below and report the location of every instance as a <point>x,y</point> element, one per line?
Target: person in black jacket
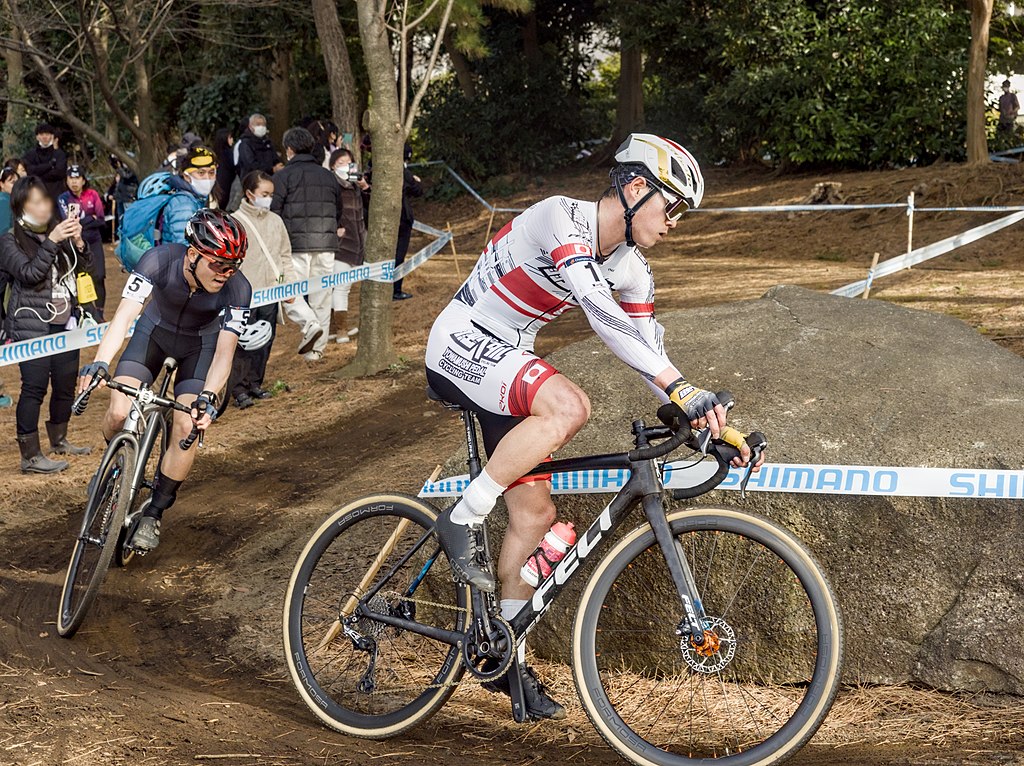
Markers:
<point>223,148</point>
<point>411,187</point>
<point>42,258</point>
<point>255,151</point>
<point>46,160</point>
<point>307,196</point>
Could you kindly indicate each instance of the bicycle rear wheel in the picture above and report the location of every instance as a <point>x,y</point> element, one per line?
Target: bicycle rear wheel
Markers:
<point>382,538</point>
<point>762,682</point>
<point>94,546</point>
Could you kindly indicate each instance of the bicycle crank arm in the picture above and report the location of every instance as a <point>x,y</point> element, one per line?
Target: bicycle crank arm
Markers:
<point>515,690</point>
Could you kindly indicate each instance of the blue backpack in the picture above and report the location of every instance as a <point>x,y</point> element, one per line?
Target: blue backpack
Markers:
<point>137,230</point>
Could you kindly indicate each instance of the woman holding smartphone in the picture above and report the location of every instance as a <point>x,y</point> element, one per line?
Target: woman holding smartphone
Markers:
<point>83,202</point>
<point>42,258</point>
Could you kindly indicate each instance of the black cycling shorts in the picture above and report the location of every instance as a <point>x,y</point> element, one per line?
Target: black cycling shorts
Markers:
<point>150,345</point>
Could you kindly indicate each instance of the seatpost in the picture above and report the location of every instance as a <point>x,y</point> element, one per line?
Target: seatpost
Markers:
<point>471,445</point>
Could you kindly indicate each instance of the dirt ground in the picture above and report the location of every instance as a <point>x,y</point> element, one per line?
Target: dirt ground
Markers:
<point>180,659</point>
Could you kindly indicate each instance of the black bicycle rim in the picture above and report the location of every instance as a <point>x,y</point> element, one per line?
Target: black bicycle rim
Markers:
<point>314,674</point>
<point>93,548</point>
<point>656,695</point>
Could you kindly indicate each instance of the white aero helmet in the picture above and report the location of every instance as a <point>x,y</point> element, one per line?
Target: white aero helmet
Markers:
<point>668,168</point>
<point>256,335</point>
<point>668,163</point>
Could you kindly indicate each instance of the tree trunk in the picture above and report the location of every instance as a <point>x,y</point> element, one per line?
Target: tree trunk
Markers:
<point>629,108</point>
<point>15,79</point>
<point>376,350</point>
<point>339,69</point>
<point>149,152</point>
<point>977,143</point>
<point>460,64</point>
<point>280,79</point>
<point>531,39</point>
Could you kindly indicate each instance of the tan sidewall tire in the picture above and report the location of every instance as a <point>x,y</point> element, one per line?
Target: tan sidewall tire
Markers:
<point>442,693</point>
<point>814,719</point>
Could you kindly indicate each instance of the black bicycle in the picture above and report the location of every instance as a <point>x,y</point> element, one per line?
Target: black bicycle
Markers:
<point>705,632</point>
<point>119,491</point>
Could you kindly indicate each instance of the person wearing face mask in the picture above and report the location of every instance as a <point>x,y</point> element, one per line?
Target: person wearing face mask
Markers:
<point>353,239</point>
<point>307,196</point>
<point>269,263</point>
<point>92,216</point>
<point>190,192</point>
<point>255,150</point>
<point>41,258</point>
<point>46,160</point>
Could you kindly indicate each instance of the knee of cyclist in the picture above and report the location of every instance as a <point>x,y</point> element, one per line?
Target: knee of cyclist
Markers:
<point>116,416</point>
<point>573,413</point>
<point>182,426</point>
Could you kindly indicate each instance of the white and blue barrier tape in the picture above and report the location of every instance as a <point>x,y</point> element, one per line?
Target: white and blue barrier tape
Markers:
<point>383,271</point>
<point>927,252</point>
<point>886,481</point>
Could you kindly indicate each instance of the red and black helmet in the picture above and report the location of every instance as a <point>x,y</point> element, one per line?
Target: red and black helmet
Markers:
<point>216,234</point>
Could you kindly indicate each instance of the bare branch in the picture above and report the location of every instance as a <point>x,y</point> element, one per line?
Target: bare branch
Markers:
<point>411,115</point>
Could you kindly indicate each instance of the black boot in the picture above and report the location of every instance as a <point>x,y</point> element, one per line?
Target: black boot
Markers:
<point>462,546</point>
<point>538,703</point>
<point>58,433</point>
<point>32,458</point>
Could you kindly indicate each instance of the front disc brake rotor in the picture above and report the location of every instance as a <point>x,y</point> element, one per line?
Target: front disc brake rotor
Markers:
<point>716,652</point>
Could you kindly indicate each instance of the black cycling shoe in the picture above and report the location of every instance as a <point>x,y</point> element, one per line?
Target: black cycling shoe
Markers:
<point>538,703</point>
<point>147,534</point>
<point>461,544</point>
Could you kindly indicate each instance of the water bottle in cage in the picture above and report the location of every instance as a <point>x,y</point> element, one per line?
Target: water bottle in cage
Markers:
<point>551,550</point>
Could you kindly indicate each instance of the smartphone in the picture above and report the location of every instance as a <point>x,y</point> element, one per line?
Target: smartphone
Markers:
<point>74,211</point>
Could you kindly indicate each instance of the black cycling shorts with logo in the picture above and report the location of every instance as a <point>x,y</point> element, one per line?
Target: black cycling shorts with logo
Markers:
<point>150,345</point>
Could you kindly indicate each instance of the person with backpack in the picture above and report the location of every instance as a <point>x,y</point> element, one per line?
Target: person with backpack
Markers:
<point>166,201</point>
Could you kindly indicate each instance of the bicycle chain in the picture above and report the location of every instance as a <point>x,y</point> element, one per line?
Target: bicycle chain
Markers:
<point>465,610</point>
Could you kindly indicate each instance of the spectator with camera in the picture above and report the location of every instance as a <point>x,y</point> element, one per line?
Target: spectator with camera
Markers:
<point>82,201</point>
<point>42,259</point>
<point>353,239</point>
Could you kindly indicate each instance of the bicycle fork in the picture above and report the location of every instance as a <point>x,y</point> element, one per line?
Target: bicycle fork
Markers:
<point>692,623</point>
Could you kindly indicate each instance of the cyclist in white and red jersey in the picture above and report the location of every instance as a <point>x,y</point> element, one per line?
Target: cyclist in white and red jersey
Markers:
<point>558,254</point>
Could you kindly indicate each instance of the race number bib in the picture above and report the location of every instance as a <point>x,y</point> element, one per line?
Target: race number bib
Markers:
<point>235,319</point>
<point>137,288</point>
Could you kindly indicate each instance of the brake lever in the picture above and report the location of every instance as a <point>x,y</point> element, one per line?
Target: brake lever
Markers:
<point>755,454</point>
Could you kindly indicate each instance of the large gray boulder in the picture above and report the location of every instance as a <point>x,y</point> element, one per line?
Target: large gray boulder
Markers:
<point>932,590</point>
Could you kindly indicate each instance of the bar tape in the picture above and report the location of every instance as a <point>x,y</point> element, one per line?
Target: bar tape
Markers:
<point>383,271</point>
<point>889,481</point>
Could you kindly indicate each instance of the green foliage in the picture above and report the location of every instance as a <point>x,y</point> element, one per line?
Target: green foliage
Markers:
<point>802,82</point>
<point>530,109</point>
<point>218,103</point>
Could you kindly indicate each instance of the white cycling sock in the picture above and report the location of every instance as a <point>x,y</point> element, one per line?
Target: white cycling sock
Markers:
<point>477,501</point>
<point>510,608</point>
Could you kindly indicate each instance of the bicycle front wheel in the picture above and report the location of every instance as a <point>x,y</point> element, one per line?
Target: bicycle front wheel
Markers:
<point>760,684</point>
<point>97,538</point>
<point>358,675</point>
<point>152,448</point>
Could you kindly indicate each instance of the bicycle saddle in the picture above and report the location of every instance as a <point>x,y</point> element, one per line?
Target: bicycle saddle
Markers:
<point>436,397</point>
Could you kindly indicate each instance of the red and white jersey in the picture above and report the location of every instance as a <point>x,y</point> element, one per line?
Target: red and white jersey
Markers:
<point>542,263</point>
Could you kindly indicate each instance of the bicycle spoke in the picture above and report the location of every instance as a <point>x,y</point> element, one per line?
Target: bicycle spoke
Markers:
<point>731,692</point>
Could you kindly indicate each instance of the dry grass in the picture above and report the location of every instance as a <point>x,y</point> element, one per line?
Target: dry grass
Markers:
<point>867,715</point>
